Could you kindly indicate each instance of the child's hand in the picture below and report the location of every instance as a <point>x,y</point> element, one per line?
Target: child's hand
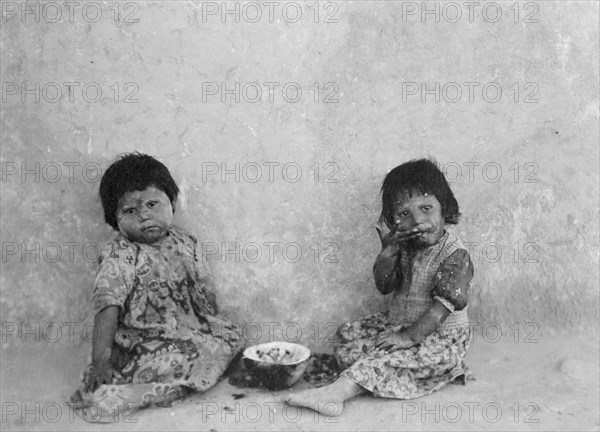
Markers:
<point>396,340</point>
<point>101,374</point>
<point>391,239</point>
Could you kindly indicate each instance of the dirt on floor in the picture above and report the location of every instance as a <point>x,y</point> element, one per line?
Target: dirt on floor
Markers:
<point>546,382</point>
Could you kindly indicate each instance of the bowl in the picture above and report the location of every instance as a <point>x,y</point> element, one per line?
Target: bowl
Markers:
<point>277,365</point>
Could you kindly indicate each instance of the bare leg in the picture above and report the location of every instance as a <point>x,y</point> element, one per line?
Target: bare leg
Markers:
<point>328,400</point>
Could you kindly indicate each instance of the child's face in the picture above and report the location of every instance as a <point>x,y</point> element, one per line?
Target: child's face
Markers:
<point>419,211</point>
<point>144,216</point>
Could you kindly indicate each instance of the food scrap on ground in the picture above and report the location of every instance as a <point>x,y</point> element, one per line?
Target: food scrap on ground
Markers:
<point>322,369</point>
<point>242,378</point>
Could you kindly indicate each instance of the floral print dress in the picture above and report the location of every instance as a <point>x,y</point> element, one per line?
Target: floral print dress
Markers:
<point>169,338</point>
<point>441,272</point>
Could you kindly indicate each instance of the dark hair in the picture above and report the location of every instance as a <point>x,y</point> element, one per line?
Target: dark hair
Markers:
<point>133,172</point>
<point>422,176</point>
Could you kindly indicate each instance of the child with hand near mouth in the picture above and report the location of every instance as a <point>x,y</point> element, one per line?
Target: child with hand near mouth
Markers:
<point>419,344</point>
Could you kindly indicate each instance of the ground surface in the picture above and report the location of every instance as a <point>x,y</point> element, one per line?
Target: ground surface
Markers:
<point>552,384</point>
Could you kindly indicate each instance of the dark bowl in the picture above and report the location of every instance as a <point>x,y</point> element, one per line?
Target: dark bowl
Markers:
<point>277,365</point>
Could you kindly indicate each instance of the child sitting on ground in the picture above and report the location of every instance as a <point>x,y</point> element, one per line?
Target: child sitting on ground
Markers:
<point>418,346</point>
<point>157,332</point>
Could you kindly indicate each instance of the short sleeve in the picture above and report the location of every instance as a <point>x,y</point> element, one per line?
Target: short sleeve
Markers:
<point>114,280</point>
<point>453,280</point>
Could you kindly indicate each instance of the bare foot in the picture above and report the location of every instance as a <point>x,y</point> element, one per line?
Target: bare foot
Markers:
<point>320,400</point>
<point>328,400</point>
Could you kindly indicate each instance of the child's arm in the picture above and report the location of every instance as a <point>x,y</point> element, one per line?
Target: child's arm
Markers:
<point>105,327</point>
<point>428,322</point>
<point>113,284</point>
<point>384,269</point>
<point>451,293</point>
<point>208,287</point>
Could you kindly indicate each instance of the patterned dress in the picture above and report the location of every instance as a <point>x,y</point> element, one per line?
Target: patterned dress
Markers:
<point>441,272</point>
<point>169,339</point>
